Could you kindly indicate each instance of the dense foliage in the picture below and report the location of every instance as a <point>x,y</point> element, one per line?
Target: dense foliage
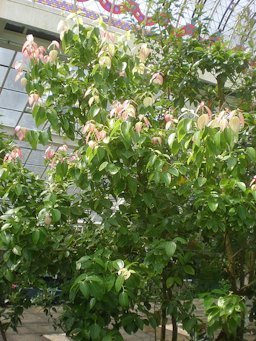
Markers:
<point>173,188</point>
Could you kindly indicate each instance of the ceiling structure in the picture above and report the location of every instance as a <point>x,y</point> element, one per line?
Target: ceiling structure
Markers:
<point>227,18</point>
<point>233,19</point>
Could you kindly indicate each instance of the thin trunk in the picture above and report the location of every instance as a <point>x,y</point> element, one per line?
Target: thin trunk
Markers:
<point>163,308</point>
<point>174,329</point>
<point>231,261</point>
<point>3,334</point>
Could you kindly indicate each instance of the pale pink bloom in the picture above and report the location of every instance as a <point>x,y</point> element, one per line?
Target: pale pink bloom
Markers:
<point>89,127</point>
<point>157,78</point>
<point>100,135</point>
<point>15,154</point>
<point>168,118</point>
<point>33,99</point>
<point>92,144</point>
<point>145,120</point>
<point>52,56</point>
<point>55,44</point>
<point>105,61</point>
<point>31,50</point>
<point>107,36</point>
<point>20,132</point>
<point>204,107</point>
<point>63,148</point>
<point>74,157</point>
<point>241,117</point>
<point>138,127</point>
<point>156,140</point>
<point>253,180</point>
<point>144,53</point>
<point>49,153</point>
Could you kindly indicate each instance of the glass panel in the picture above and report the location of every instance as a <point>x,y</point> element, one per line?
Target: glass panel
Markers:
<point>36,169</point>
<point>28,121</point>
<point>13,100</point>
<point>3,71</point>
<point>11,84</point>
<point>9,117</point>
<point>36,158</point>
<point>25,153</point>
<point>6,56</point>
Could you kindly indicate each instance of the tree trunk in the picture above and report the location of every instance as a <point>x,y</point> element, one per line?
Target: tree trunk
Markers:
<point>3,334</point>
<point>174,329</point>
<point>163,308</point>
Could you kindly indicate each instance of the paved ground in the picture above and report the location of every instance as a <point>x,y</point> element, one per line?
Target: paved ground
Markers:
<point>36,327</point>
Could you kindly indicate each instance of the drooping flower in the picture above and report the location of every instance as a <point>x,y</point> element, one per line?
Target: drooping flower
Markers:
<point>157,78</point>
<point>20,132</point>
<point>156,140</point>
<point>33,99</point>
<point>92,144</point>
<point>101,135</point>
<point>107,37</point>
<point>15,154</point>
<point>63,148</point>
<point>105,61</point>
<point>144,53</point>
<point>49,153</point>
<point>53,54</point>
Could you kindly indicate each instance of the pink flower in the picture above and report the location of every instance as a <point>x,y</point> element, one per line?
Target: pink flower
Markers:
<point>89,127</point>
<point>92,144</point>
<point>107,37</point>
<point>138,127</point>
<point>20,132</point>
<point>31,50</point>
<point>100,135</point>
<point>15,154</point>
<point>74,157</point>
<point>168,118</point>
<point>49,153</point>
<point>33,99</point>
<point>123,110</point>
<point>156,140</point>
<point>253,181</point>
<point>157,78</point>
<point>63,148</point>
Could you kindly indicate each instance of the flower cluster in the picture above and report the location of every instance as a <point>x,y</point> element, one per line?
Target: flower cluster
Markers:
<point>123,110</point>
<point>143,123</point>
<point>226,118</point>
<point>93,135</point>
<point>20,132</point>
<point>13,155</point>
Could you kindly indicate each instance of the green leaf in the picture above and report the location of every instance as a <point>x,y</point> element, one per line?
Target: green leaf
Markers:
<point>251,152</point>
<point>53,119</point>
<point>107,338</point>
<point>123,299</point>
<point>169,282</point>
<point>103,166</point>
<point>201,181</point>
<point>39,113</point>
<point>171,139</point>
<point>174,171</point>
<point>36,236</point>
<point>56,215</point>
<point>84,288</point>
<point>213,205</point>
<point>167,178</point>
<point>241,185</point>
<point>9,275</point>
<point>170,248</point>
<point>132,185</point>
<point>17,250</point>
<point>44,137</point>
<point>32,137</point>
<point>62,168</point>
<point>119,283</point>
<point>112,169</point>
<point>189,270</point>
<point>95,331</point>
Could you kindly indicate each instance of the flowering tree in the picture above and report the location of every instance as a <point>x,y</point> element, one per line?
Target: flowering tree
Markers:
<point>166,183</point>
